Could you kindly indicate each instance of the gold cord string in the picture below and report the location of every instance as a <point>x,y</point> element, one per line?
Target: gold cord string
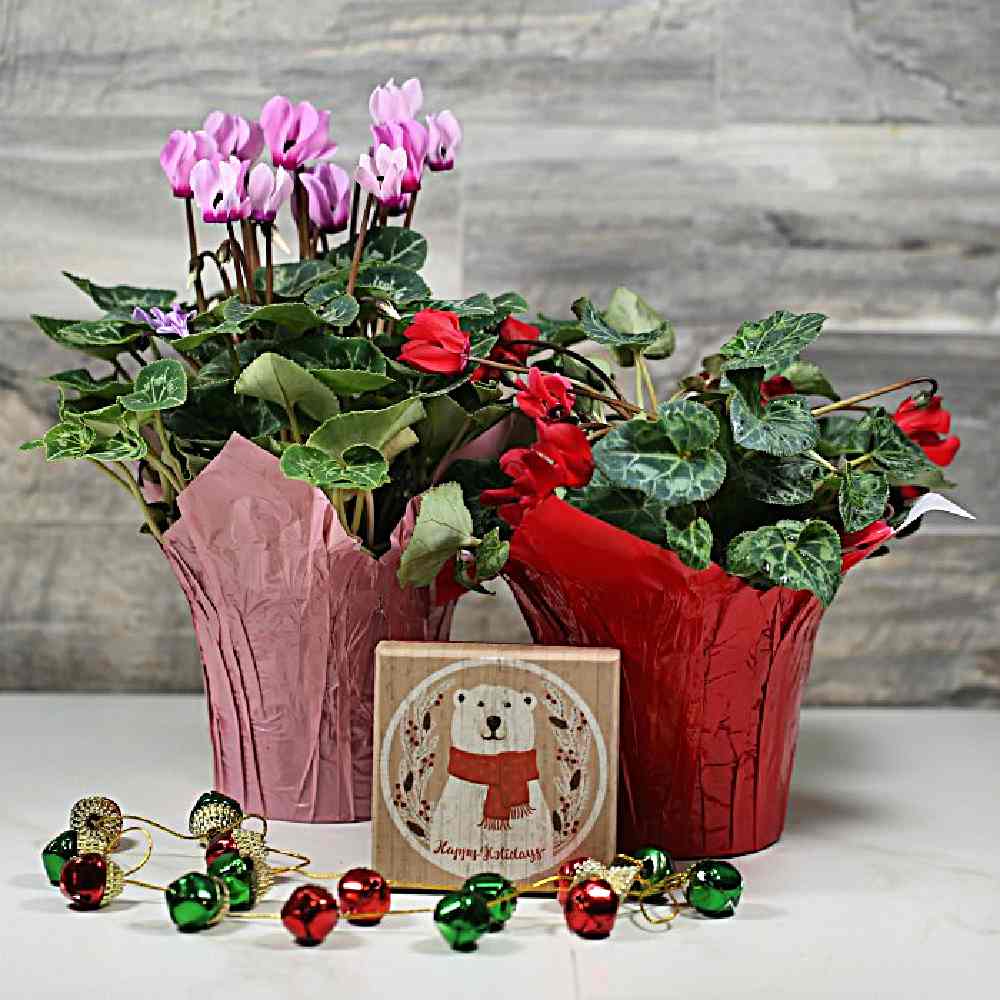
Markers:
<point>149,847</point>
<point>164,829</point>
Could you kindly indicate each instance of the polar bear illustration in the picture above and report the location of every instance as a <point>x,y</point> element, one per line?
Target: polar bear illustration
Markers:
<point>493,799</point>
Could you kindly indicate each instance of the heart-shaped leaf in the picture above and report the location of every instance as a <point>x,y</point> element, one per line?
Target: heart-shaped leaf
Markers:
<point>862,498</point>
<point>396,284</point>
<point>293,318</point>
<point>565,332</point>
<point>800,555</point>
<point>226,329</point>
<point>631,315</point>
<point>123,297</point>
<point>479,306</point>
<point>902,460</point>
<point>128,446</point>
<point>105,421</point>
<point>375,428</point>
<point>396,245</point>
<point>508,304</point>
<point>771,343</point>
<point>786,482</point>
<point>87,386</point>
<point>347,382</point>
<point>68,439</point>
<point>362,468</point>
<point>442,529</point>
<point>491,555</point>
<point>332,304</point>
<point>601,331</point>
<point>670,459</point>
<point>629,510</point>
<point>280,380</point>
<point>843,435</point>
<point>692,542</point>
<point>161,385</point>
<point>784,426</point>
<point>100,333</point>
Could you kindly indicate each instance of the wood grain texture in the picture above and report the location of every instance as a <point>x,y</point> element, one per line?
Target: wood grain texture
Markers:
<point>722,157</point>
<point>449,798</point>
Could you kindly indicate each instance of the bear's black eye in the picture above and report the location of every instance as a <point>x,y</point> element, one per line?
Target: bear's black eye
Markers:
<point>527,700</point>
<point>461,697</point>
<point>482,704</point>
<point>506,704</point>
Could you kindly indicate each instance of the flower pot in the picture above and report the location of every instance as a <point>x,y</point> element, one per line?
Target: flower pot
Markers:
<point>288,609</point>
<point>713,673</point>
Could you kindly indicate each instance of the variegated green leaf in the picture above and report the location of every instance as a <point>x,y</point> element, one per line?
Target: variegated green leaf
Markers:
<point>295,278</point>
<point>599,329</point>
<point>491,555</point>
<point>809,380</point>
<point>843,435</point>
<point>126,446</point>
<point>629,510</point>
<point>784,426</point>
<point>280,380</point>
<point>362,468</point>
<point>669,459</point>
<point>786,482</point>
<point>771,343</point>
<point>87,386</point>
<point>902,460</point>
<point>69,439</point>
<point>392,282</point>
<point>375,428</point>
<point>442,529</point>
<point>800,555</point>
<point>123,297</point>
<point>161,385</point>
<point>862,498</point>
<point>100,333</point>
<point>692,542</point>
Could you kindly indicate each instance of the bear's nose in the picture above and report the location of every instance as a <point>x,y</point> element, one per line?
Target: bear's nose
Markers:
<point>493,721</point>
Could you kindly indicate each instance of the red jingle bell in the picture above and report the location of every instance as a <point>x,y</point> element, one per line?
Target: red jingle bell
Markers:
<point>590,908</point>
<point>566,872</point>
<point>225,844</point>
<point>364,896</point>
<point>310,913</point>
<point>84,880</point>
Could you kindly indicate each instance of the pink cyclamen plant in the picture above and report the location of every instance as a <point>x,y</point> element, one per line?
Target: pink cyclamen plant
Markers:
<point>381,175</point>
<point>296,133</point>
<point>235,136</point>
<point>219,189</point>
<point>329,190</point>
<point>393,103</point>
<point>444,139</point>
<point>268,190</point>
<point>180,153</point>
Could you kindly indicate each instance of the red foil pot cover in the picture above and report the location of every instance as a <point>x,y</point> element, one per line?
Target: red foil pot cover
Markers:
<point>712,677</point>
<point>287,609</point>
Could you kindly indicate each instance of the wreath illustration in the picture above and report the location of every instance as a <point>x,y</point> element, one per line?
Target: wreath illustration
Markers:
<point>574,745</point>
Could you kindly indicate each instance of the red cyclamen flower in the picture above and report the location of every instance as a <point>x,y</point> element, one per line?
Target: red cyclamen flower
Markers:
<point>775,386</point>
<point>546,397</point>
<point>928,426</point>
<point>435,343</point>
<point>858,545</point>
<point>507,349</point>
<point>560,457</point>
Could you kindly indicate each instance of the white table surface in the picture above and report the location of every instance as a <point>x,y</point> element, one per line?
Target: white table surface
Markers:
<point>886,883</point>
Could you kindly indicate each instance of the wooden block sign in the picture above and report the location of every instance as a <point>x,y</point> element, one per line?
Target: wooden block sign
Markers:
<point>492,758</point>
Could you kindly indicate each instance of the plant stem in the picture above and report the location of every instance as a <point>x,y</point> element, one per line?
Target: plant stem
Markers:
<point>194,261</point>
<point>639,393</point>
<point>251,254</point>
<point>820,460</point>
<point>359,245</point>
<point>238,261</point>
<point>111,475</point>
<point>338,504</point>
<point>167,477</point>
<point>354,209</point>
<point>133,488</point>
<point>167,452</point>
<point>640,362</point>
<point>269,260</point>
<point>862,396</point>
<point>154,347</point>
<point>121,371</point>
<point>547,345</point>
<point>292,420</point>
<point>301,216</point>
<point>370,518</point>
<point>324,243</point>
<point>409,210</point>
<point>359,509</point>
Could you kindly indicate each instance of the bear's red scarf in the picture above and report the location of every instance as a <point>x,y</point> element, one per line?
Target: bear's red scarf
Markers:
<point>507,775</point>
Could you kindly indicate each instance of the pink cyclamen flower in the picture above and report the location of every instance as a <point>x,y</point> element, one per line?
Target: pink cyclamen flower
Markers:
<point>166,324</point>
<point>234,135</point>
<point>329,190</point>
<point>268,190</point>
<point>411,137</point>
<point>180,153</point>
<point>393,103</point>
<point>382,175</point>
<point>218,189</point>
<point>444,139</point>
<point>296,133</point>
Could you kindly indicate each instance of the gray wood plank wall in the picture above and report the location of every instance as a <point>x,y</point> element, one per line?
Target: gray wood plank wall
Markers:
<point>722,157</point>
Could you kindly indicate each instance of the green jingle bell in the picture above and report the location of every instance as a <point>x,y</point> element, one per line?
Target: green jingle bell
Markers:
<point>714,888</point>
<point>499,894</point>
<point>196,901</point>
<point>57,852</point>
<point>462,918</point>
<point>657,865</point>
<point>237,872</point>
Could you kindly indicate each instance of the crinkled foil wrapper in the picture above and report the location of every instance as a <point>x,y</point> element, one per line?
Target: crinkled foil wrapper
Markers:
<point>288,609</point>
<point>712,677</point>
